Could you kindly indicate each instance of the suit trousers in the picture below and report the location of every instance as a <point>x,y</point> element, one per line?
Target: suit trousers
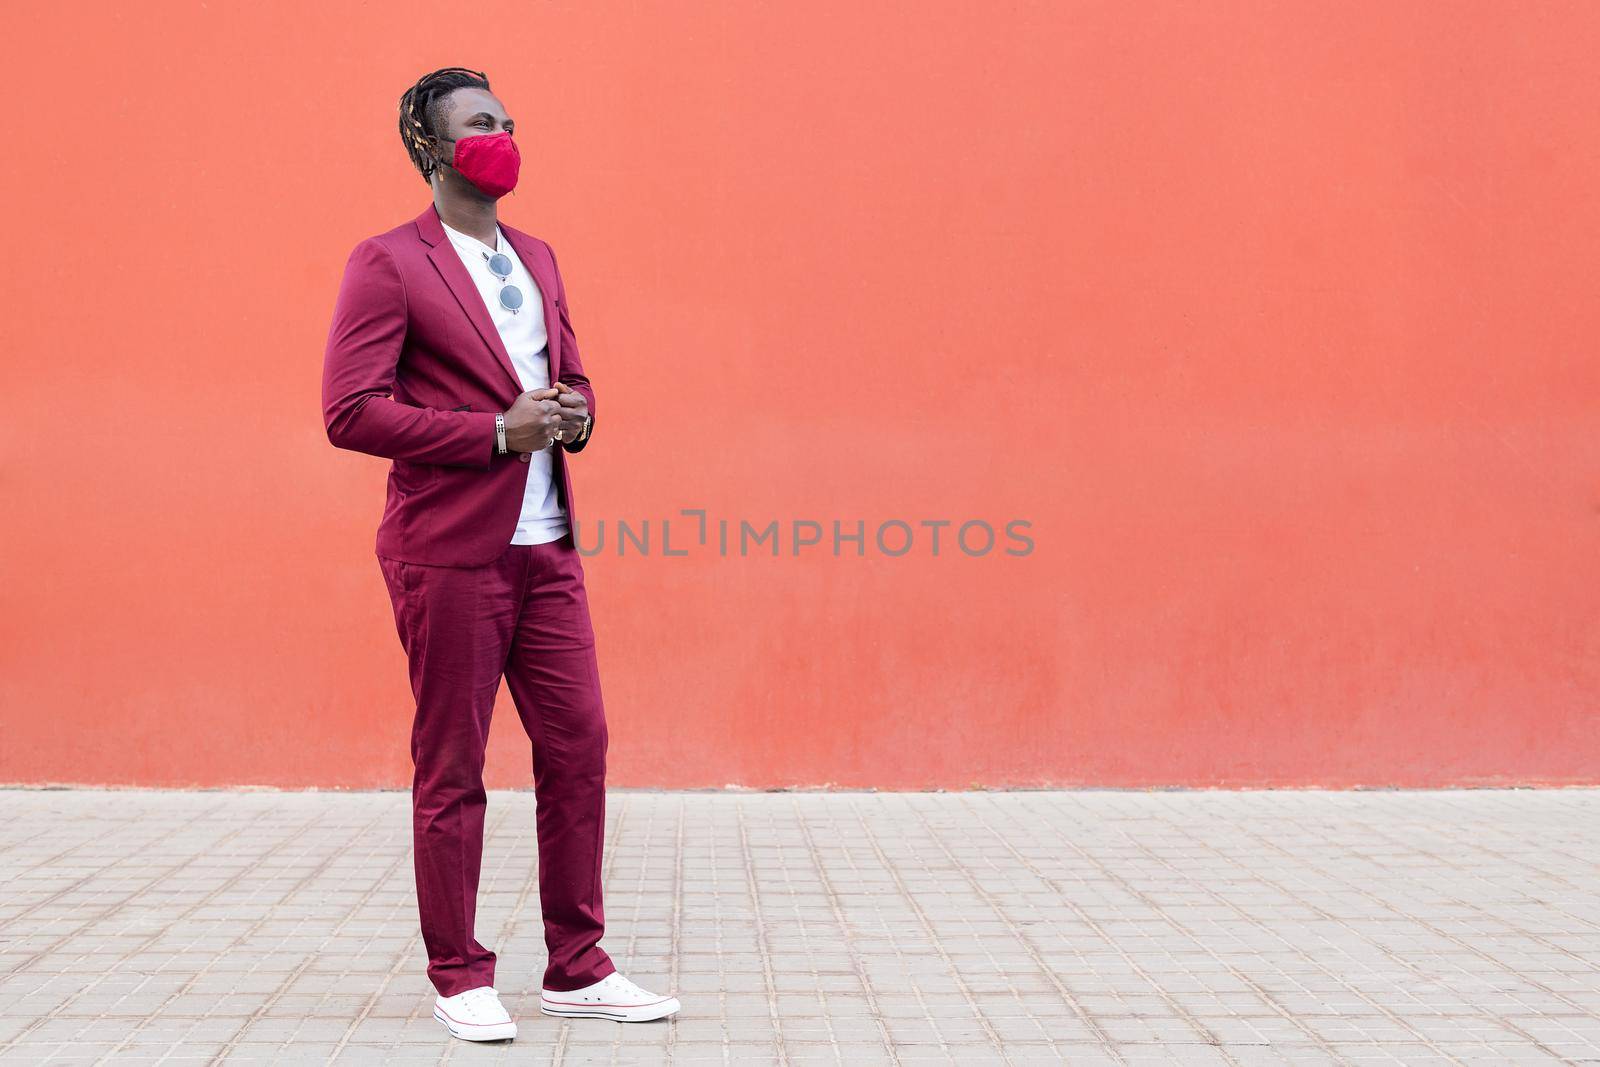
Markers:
<point>525,617</point>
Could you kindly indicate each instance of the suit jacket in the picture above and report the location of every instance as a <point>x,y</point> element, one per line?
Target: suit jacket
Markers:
<point>415,371</point>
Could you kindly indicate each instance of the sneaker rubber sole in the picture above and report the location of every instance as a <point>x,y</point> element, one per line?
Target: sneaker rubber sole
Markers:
<point>622,1013</point>
<point>476,1031</point>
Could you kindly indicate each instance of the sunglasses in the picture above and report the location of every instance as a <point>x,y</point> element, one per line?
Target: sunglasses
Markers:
<point>500,267</point>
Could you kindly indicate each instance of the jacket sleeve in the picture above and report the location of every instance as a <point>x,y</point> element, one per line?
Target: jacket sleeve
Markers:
<point>358,373</point>
<point>571,364</point>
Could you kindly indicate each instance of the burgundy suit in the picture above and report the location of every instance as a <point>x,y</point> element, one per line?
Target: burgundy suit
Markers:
<point>415,371</point>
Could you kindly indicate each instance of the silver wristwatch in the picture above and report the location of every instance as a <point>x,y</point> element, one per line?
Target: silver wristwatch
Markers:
<point>500,433</point>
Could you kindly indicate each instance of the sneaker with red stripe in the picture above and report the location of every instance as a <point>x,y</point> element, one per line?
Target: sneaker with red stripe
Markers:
<point>475,1015</point>
<point>613,997</point>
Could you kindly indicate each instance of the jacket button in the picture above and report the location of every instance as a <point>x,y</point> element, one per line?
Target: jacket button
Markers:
<point>524,456</point>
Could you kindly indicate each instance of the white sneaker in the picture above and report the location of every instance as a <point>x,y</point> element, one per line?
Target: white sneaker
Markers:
<point>613,997</point>
<point>475,1015</point>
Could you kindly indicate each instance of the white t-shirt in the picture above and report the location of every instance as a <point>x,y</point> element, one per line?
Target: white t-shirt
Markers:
<point>526,340</point>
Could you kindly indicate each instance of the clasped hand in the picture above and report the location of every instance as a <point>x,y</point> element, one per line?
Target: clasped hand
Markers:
<point>537,416</point>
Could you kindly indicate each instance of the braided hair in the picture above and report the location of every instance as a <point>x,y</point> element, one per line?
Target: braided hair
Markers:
<point>422,112</point>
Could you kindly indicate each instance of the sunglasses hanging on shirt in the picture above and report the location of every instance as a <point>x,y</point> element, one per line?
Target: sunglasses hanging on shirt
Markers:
<point>500,267</point>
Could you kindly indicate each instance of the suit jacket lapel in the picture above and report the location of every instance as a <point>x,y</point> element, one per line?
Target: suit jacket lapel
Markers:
<point>532,258</point>
<point>448,263</point>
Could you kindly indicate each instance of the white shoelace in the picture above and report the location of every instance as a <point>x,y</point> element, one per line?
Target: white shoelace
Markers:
<point>627,986</point>
<point>480,994</point>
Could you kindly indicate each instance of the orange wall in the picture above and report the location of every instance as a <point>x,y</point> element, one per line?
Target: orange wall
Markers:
<point>1276,321</point>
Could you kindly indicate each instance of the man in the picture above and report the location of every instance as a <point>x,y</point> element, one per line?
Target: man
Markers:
<point>451,352</point>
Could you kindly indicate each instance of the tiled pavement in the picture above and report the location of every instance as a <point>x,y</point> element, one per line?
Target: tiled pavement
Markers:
<point>1267,927</point>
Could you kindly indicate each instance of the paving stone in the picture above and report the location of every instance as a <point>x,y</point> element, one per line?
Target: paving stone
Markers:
<point>1262,927</point>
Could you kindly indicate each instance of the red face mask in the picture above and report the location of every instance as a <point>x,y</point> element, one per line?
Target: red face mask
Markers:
<point>490,161</point>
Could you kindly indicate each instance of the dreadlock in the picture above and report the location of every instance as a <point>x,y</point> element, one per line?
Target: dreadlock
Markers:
<point>422,112</point>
